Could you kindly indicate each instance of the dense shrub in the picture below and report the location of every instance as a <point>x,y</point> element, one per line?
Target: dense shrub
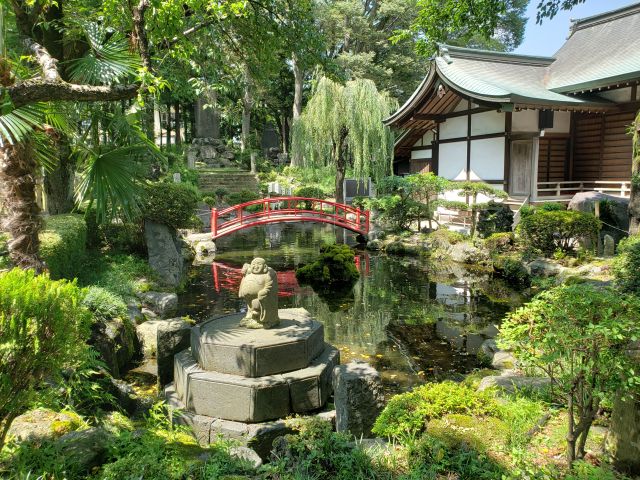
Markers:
<point>62,244</point>
<point>499,242</point>
<point>103,304</point>
<point>513,271</point>
<point>42,327</point>
<point>309,191</point>
<point>495,217</point>
<point>562,230</point>
<point>578,335</point>
<point>335,267</point>
<point>171,204</point>
<point>315,451</point>
<point>407,414</point>
<point>443,238</point>
<point>626,266</point>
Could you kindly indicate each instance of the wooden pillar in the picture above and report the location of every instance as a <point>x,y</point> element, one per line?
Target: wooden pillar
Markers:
<point>468,140</point>
<point>508,119</point>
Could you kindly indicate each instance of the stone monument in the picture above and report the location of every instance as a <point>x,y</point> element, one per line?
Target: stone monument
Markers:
<point>241,372</point>
<point>259,288</point>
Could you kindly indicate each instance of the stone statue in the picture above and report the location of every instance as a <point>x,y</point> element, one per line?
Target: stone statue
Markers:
<point>259,288</point>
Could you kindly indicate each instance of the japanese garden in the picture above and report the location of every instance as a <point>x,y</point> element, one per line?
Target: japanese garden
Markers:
<point>319,239</point>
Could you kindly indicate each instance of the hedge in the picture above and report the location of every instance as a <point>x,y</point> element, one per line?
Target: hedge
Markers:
<point>62,245</point>
<point>171,204</point>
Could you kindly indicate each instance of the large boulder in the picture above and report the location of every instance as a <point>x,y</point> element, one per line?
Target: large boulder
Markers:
<point>84,449</point>
<point>469,254</point>
<point>43,424</point>
<point>358,397</point>
<point>162,304</point>
<point>172,336</point>
<point>116,342</point>
<point>542,267</point>
<point>616,213</point>
<point>165,253</point>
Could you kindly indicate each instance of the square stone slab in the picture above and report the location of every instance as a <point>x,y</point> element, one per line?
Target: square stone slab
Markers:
<point>221,345</point>
<point>245,399</point>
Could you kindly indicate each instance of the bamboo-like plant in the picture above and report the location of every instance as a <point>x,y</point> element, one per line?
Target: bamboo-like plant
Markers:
<point>342,125</point>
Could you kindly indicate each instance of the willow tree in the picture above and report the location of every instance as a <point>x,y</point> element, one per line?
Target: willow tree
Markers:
<point>342,126</point>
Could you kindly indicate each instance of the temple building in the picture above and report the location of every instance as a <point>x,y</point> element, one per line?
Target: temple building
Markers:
<point>541,128</point>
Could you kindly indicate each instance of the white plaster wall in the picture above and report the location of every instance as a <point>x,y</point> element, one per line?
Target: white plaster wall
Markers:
<point>487,122</point>
<point>453,128</point>
<point>427,138</point>
<point>524,121</point>
<point>487,159</point>
<point>561,123</point>
<point>421,154</point>
<point>452,160</point>
<point>461,106</point>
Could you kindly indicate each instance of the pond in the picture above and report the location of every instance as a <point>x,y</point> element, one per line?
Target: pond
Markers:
<point>413,319</point>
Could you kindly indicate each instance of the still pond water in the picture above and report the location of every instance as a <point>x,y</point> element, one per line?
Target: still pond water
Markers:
<point>413,319</point>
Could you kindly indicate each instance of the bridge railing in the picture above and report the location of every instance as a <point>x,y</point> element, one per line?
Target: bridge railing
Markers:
<point>267,210</point>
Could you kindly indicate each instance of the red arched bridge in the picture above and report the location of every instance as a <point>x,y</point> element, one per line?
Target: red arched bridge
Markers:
<point>287,209</point>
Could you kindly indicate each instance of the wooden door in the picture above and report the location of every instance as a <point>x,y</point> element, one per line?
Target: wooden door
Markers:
<point>521,168</point>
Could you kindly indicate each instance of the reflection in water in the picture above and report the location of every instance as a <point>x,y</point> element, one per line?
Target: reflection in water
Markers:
<point>412,320</point>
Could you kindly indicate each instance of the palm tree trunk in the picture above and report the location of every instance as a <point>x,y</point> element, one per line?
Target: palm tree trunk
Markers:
<point>18,189</point>
<point>58,183</point>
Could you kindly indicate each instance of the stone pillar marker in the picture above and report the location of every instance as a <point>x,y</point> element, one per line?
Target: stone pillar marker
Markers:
<point>358,397</point>
<point>207,119</point>
<point>609,246</point>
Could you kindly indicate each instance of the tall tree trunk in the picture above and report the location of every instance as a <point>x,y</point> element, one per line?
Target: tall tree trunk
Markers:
<point>634,200</point>
<point>176,110</point>
<point>18,189</point>
<point>247,104</point>
<point>58,183</point>
<point>298,78</point>
<point>341,165</point>
<point>169,125</point>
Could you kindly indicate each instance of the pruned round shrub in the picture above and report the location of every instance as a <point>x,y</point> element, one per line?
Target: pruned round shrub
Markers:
<point>513,271</point>
<point>626,266</point>
<point>43,327</point>
<point>103,304</point>
<point>549,231</point>
<point>407,414</point>
<point>500,242</point>
<point>335,267</point>
<point>62,244</point>
<point>309,191</point>
<point>495,217</point>
<point>171,204</point>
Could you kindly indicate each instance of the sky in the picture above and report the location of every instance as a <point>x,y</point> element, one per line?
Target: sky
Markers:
<point>546,39</point>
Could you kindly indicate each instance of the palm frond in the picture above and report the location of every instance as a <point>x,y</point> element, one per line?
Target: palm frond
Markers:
<point>108,59</point>
<point>110,180</point>
<point>18,123</point>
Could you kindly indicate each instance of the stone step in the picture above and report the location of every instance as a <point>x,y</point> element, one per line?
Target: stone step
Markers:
<point>233,182</point>
<point>242,399</point>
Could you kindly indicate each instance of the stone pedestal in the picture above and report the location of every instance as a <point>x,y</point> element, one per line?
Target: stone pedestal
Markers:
<point>246,375</point>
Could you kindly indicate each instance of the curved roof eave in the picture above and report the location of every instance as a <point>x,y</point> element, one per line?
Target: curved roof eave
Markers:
<point>415,97</point>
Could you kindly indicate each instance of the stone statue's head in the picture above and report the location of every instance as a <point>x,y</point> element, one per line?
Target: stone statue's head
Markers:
<point>258,265</point>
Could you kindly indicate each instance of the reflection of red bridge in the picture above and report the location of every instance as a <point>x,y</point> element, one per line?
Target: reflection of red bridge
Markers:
<point>227,277</point>
<point>287,209</point>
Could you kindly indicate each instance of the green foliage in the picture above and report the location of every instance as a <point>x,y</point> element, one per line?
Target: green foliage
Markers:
<point>241,197</point>
<point>43,327</point>
<point>62,244</point>
<point>309,191</point>
<point>114,235</point>
<point>549,231</point>
<point>407,414</point>
<point>443,237</point>
<point>342,124</point>
<point>395,202</point>
<point>466,23</point>
<point>472,190</point>
<point>171,204</point>
<point>334,269</point>
<point>500,242</point>
<point>513,271</point>
<point>578,335</point>
<point>4,251</point>
<point>495,218</point>
<point>626,266</point>
<point>315,451</point>
<point>120,274</point>
<point>103,304</point>
<point>551,207</point>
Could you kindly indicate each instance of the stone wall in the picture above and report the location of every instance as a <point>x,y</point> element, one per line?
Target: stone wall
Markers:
<point>209,152</point>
